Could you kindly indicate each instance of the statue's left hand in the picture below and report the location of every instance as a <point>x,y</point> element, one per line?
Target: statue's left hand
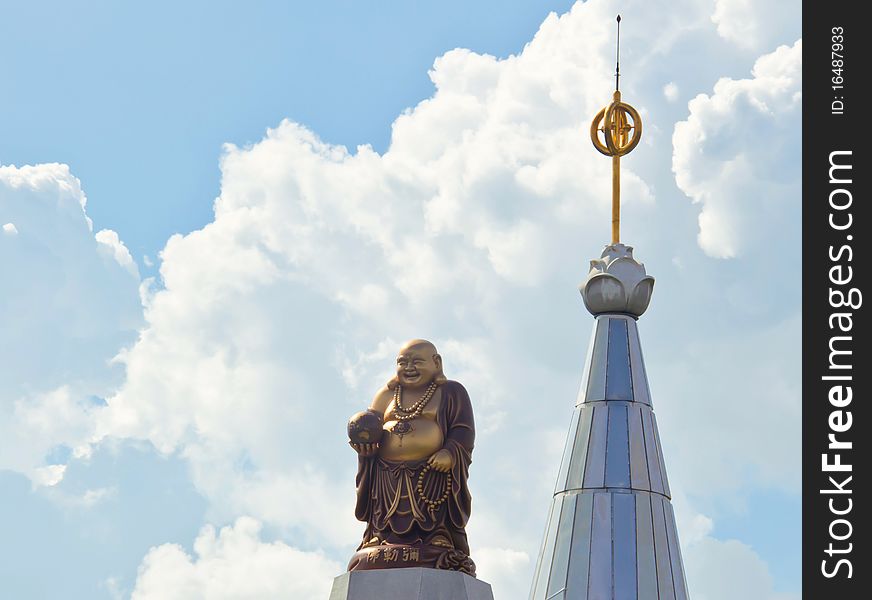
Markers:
<point>365,450</point>
<point>441,461</point>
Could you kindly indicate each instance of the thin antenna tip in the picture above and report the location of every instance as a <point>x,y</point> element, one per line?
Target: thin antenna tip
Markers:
<point>619,18</point>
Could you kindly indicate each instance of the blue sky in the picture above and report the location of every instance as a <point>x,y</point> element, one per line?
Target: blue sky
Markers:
<point>174,381</point>
<point>123,91</point>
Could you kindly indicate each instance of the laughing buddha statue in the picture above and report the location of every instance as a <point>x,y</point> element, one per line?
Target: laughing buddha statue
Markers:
<point>414,447</point>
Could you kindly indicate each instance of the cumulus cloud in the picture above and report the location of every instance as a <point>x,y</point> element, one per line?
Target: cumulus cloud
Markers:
<point>111,246</point>
<point>71,302</point>
<point>737,151</point>
<point>233,564</point>
<point>756,25</point>
<point>318,256</point>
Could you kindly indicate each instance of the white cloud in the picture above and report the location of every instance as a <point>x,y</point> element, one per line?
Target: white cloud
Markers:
<point>110,245</point>
<point>736,155</point>
<point>234,564</point>
<point>39,422</point>
<point>317,256</point>
<point>48,475</point>
<point>71,302</point>
<point>670,91</point>
<point>756,25</point>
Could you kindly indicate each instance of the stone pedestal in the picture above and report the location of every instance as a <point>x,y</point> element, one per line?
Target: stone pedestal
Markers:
<point>414,583</point>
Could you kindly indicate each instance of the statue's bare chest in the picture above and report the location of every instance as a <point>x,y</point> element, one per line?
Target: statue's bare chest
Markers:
<point>411,435</point>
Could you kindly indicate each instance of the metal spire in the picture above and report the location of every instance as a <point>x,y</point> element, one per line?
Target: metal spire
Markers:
<point>611,532</point>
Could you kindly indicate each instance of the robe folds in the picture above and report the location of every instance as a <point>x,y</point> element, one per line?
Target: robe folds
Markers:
<point>387,496</point>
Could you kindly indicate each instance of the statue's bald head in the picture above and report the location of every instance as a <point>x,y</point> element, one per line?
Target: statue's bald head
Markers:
<point>418,363</point>
<point>423,345</point>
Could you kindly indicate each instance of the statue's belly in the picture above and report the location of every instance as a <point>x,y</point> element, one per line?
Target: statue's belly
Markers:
<point>422,439</point>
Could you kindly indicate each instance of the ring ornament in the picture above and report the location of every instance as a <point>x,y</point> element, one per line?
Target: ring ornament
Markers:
<point>621,127</point>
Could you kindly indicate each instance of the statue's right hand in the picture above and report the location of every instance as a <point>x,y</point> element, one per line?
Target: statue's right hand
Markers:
<point>365,450</point>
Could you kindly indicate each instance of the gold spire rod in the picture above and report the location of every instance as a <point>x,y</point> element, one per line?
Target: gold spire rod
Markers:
<point>615,122</point>
<point>616,199</point>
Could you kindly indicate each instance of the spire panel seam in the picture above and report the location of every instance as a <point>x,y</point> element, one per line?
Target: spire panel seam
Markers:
<point>665,479</point>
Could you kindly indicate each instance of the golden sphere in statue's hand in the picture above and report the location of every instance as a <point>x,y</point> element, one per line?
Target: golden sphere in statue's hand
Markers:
<point>441,461</point>
<point>366,427</point>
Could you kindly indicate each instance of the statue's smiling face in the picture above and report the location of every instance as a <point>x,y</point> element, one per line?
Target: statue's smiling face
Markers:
<point>418,365</point>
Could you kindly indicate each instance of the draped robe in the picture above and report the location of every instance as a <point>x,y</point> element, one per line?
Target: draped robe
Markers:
<point>386,491</point>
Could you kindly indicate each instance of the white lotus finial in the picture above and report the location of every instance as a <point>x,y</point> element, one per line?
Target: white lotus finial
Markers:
<point>617,283</point>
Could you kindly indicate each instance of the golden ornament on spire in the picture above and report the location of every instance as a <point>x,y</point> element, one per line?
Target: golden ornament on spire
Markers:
<point>615,131</point>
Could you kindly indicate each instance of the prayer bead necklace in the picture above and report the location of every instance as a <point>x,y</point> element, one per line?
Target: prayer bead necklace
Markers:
<point>405,414</point>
